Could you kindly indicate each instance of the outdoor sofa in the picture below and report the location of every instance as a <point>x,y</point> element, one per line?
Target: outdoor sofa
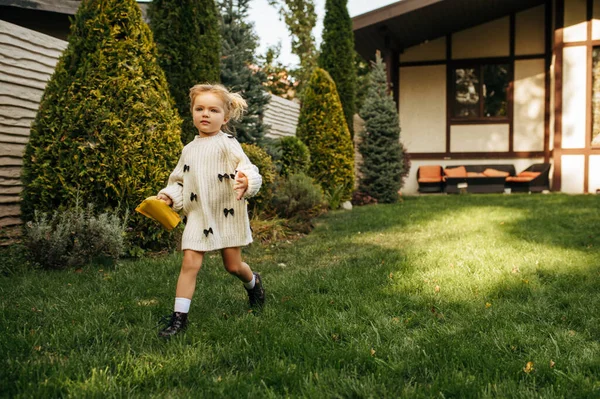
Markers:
<point>478,178</point>
<point>483,178</point>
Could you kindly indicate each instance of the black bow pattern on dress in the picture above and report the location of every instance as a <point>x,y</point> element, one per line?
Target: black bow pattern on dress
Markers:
<point>193,197</point>
<point>226,176</point>
<point>209,231</point>
<point>186,168</point>
<point>185,220</point>
<point>228,211</point>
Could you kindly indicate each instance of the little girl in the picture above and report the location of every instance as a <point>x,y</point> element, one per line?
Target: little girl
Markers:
<point>209,183</point>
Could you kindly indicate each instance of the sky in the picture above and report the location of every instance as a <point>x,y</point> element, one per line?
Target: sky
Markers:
<point>271,30</point>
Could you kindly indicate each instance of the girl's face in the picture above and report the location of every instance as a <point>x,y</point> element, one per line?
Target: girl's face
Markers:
<point>208,113</point>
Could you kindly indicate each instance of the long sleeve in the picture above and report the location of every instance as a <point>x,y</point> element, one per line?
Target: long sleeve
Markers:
<point>247,168</point>
<point>174,189</point>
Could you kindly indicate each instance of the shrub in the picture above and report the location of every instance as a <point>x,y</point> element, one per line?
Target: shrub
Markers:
<point>264,163</point>
<point>187,35</point>
<point>295,156</point>
<point>298,197</point>
<point>382,153</point>
<point>338,55</point>
<point>270,229</point>
<point>74,238</point>
<point>106,128</point>
<point>15,259</point>
<point>321,126</point>
<point>335,196</point>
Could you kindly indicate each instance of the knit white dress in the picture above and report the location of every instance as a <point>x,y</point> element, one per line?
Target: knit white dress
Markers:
<point>202,186</point>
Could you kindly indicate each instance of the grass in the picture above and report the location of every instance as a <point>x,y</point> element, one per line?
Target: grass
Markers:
<point>440,296</point>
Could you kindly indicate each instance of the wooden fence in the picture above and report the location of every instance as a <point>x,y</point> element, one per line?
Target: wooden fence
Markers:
<point>27,60</point>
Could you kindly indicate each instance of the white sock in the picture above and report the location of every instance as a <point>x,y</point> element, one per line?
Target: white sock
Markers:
<point>250,284</point>
<point>182,305</point>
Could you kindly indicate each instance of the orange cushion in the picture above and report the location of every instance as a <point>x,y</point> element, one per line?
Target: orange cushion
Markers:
<point>529,174</point>
<point>430,180</point>
<point>430,171</point>
<point>456,172</point>
<point>519,179</point>
<point>495,173</point>
<point>475,174</point>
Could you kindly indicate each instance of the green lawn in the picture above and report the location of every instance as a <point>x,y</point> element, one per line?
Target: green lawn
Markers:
<point>438,296</point>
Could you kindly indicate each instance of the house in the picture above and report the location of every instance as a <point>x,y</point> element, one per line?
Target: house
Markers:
<point>494,81</point>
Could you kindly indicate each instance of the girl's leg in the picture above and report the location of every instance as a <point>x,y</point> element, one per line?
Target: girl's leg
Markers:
<point>186,284</point>
<point>232,260</point>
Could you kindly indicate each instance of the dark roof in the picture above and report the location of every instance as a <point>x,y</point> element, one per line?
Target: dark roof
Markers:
<point>410,22</point>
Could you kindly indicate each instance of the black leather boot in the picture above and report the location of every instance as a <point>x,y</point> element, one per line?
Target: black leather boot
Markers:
<point>178,323</point>
<point>256,296</point>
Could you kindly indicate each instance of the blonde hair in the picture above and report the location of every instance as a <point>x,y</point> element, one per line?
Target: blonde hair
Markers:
<point>234,105</point>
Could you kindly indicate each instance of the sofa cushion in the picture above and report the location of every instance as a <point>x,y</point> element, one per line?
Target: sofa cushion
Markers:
<point>428,171</point>
<point>461,171</point>
<point>430,179</point>
<point>489,172</point>
<point>475,174</point>
<point>519,179</point>
<point>529,174</point>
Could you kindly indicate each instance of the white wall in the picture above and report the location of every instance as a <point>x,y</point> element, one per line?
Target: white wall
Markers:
<point>529,31</point>
<point>594,175</point>
<point>487,40</point>
<point>575,29</point>
<point>529,100</point>
<point>479,138</point>
<point>433,50</point>
<point>571,172</point>
<point>574,97</point>
<point>423,108</point>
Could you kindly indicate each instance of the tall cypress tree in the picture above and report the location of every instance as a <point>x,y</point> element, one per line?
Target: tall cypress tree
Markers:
<point>239,71</point>
<point>337,55</point>
<point>380,146</point>
<point>321,127</point>
<point>106,130</point>
<point>188,37</point>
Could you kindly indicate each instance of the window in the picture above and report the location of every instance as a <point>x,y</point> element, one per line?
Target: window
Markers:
<point>596,97</point>
<point>480,92</point>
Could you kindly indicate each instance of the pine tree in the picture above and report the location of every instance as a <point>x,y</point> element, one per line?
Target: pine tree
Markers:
<point>187,35</point>
<point>106,131</point>
<point>380,146</point>
<point>321,127</point>
<point>239,71</point>
<point>338,55</point>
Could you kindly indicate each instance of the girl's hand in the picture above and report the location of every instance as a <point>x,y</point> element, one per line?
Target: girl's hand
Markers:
<point>165,198</point>
<point>241,185</point>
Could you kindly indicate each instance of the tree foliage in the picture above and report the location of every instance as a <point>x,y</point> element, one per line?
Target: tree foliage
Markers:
<point>106,129</point>
<point>300,18</point>
<point>321,126</point>
<point>380,146</point>
<point>338,55</point>
<point>239,71</point>
<point>188,38</point>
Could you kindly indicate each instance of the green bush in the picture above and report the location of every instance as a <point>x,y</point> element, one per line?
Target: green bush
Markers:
<point>259,157</point>
<point>298,197</point>
<point>338,55</point>
<point>321,126</point>
<point>384,163</point>
<point>295,156</point>
<point>106,128</point>
<point>74,238</point>
<point>188,38</point>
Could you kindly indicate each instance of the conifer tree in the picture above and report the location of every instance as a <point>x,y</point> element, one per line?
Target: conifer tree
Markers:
<point>338,55</point>
<point>187,35</point>
<point>382,168</point>
<point>322,128</point>
<point>239,70</point>
<point>106,131</point>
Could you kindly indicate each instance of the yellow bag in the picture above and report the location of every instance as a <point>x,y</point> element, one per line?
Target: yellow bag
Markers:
<point>159,211</point>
